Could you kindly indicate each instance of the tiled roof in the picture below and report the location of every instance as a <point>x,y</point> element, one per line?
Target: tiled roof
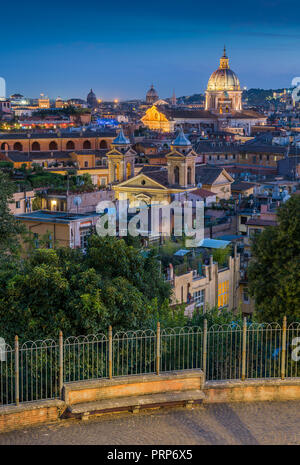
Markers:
<point>203,193</point>
<point>241,185</point>
<point>158,174</point>
<point>206,174</point>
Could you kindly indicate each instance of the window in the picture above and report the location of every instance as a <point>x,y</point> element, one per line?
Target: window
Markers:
<point>223,292</point>
<point>176,175</point>
<point>246,298</point>
<point>36,146</point>
<point>36,240</point>
<point>86,164</point>
<point>103,181</point>
<point>18,146</point>
<point>189,175</point>
<point>18,204</point>
<point>70,145</point>
<point>199,298</point>
<point>84,234</point>
<point>53,145</point>
<point>103,144</point>
<point>86,145</point>
<point>244,219</point>
<point>49,241</point>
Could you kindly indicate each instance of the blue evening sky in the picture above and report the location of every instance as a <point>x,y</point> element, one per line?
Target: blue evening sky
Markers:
<point>119,48</point>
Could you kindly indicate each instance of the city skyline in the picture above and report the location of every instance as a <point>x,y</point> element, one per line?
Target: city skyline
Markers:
<point>64,51</point>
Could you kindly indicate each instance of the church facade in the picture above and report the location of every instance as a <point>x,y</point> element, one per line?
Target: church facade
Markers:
<point>163,184</point>
<point>155,184</point>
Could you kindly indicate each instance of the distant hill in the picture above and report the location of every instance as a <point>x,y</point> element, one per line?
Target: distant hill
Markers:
<point>259,96</point>
<point>195,98</point>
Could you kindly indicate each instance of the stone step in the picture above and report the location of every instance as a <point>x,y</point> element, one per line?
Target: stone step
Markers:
<point>134,403</point>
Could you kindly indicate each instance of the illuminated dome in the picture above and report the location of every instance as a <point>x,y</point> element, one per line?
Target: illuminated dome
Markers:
<point>152,95</point>
<point>223,78</point>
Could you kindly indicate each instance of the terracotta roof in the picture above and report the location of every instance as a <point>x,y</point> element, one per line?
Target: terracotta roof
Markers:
<point>204,193</point>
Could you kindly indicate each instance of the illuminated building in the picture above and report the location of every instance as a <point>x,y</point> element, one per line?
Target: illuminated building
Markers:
<point>223,107</point>
<point>44,102</point>
<point>59,103</point>
<point>223,93</point>
<point>157,120</point>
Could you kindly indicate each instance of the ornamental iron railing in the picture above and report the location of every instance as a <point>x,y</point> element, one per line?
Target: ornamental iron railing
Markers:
<point>37,370</point>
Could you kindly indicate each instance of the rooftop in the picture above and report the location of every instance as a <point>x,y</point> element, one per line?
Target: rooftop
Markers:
<point>46,216</point>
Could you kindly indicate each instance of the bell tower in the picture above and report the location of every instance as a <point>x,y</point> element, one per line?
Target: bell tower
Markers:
<point>181,162</point>
<point>121,159</point>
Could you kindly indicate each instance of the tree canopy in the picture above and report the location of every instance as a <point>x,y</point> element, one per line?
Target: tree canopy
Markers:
<point>274,271</point>
<point>10,228</point>
<point>83,293</point>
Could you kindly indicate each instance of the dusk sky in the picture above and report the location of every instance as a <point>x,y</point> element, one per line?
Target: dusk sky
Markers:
<point>119,48</point>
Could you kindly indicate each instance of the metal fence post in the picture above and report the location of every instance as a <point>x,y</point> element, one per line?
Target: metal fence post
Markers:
<point>110,352</point>
<point>204,355</point>
<point>158,348</point>
<point>283,348</point>
<point>17,385</point>
<point>244,349</point>
<point>61,364</point>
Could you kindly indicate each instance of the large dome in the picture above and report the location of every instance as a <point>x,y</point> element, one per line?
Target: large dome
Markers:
<point>152,92</point>
<point>223,78</point>
<point>152,95</point>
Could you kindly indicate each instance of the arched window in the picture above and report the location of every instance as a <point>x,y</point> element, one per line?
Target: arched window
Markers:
<point>4,146</point>
<point>18,146</point>
<point>103,144</point>
<point>128,170</point>
<point>116,172</point>
<point>35,146</point>
<point>53,145</point>
<point>176,175</point>
<point>70,145</point>
<point>86,145</point>
<point>189,175</point>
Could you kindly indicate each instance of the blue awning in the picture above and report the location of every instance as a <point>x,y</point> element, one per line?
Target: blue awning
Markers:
<point>213,244</point>
<point>181,252</point>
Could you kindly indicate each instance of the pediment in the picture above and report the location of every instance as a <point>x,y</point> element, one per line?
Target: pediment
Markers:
<point>143,182</point>
<point>223,178</point>
<point>176,154</point>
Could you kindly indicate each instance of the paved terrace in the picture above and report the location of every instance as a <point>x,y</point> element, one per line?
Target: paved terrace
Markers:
<point>235,423</point>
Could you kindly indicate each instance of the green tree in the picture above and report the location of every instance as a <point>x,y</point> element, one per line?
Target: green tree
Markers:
<point>274,271</point>
<point>10,228</point>
<point>82,293</point>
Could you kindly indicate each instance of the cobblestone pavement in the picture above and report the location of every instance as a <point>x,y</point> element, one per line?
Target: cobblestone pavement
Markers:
<point>235,423</point>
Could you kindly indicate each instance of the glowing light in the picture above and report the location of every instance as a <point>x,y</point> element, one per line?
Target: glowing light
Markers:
<point>116,100</point>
